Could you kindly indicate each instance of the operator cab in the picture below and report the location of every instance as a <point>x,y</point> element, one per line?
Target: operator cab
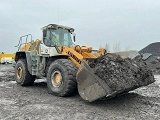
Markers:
<point>57,35</point>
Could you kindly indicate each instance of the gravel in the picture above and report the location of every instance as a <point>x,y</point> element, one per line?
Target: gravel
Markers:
<point>7,73</point>
<point>34,103</point>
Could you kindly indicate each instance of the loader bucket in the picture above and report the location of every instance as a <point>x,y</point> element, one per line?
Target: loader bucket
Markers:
<point>111,75</point>
<point>90,86</point>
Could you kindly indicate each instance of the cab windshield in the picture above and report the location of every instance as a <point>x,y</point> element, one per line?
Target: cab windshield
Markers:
<point>59,37</point>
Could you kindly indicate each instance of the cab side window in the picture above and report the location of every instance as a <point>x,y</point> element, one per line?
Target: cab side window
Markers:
<point>46,38</point>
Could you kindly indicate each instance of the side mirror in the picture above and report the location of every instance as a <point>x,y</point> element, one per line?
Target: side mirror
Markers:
<point>74,37</point>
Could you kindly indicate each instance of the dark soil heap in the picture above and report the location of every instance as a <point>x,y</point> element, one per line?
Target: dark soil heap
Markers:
<point>153,48</point>
<point>122,75</point>
<point>153,62</point>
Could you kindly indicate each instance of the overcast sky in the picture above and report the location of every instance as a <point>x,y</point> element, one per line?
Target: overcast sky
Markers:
<point>132,23</point>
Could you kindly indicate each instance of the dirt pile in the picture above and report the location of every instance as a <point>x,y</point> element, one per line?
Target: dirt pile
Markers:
<point>122,75</point>
<point>153,48</point>
<point>153,61</point>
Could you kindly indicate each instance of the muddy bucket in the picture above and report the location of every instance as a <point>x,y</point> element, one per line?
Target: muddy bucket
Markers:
<point>90,86</point>
<point>111,75</point>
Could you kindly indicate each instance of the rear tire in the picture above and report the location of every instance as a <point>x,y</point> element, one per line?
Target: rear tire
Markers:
<point>61,78</point>
<point>22,75</point>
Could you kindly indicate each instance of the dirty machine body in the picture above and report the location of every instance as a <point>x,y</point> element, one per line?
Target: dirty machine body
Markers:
<point>59,60</point>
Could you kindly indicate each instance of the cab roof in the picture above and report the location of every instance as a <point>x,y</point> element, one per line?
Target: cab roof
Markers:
<point>55,26</point>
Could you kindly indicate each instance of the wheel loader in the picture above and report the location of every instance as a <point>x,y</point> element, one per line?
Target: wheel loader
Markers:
<point>61,62</point>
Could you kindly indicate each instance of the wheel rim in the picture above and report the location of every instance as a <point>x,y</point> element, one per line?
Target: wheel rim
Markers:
<point>19,72</point>
<point>56,79</point>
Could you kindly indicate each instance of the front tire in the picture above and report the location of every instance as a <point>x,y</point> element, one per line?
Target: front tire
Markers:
<point>61,78</point>
<point>22,75</point>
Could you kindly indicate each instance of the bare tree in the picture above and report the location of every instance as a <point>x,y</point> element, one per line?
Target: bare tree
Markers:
<point>107,47</point>
<point>116,47</point>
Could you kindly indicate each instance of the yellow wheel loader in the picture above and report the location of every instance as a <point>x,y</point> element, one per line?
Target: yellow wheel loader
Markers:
<point>64,64</point>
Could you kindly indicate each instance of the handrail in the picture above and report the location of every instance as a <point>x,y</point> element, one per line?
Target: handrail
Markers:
<point>20,40</point>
